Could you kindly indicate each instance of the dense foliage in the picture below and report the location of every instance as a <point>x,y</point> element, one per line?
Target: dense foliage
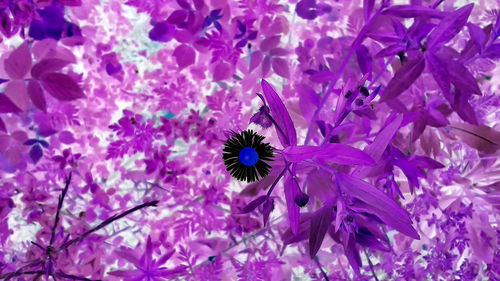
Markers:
<point>365,134</point>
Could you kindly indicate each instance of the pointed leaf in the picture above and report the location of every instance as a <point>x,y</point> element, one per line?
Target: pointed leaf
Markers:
<point>412,11</point>
<point>493,51</point>
<point>477,35</point>
<point>254,204</point>
<point>344,155</point>
<point>440,73</point>
<point>61,86</point>
<point>320,222</point>
<point>7,106</point>
<point>18,63</point>
<point>36,153</point>
<point>18,93</point>
<point>287,133</point>
<point>270,43</point>
<point>35,93</point>
<point>383,139</point>
<point>280,66</point>
<point>462,78</point>
<point>267,208</point>
<point>48,65</point>
<point>368,8</point>
<point>403,78</point>
<point>299,153</point>
<point>364,59</point>
<point>378,203</point>
<point>323,76</point>
<point>255,60</point>
<point>449,27</point>
<point>2,126</point>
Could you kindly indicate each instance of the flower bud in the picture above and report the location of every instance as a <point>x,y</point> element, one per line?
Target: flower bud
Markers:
<point>301,199</point>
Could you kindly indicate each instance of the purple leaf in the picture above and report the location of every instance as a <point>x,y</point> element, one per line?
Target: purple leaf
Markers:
<point>383,139</point>
<point>344,155</point>
<point>364,59</point>
<point>320,222</point>
<point>323,76</point>
<point>35,93</point>
<point>278,110</point>
<point>426,162</point>
<point>449,27</point>
<point>477,35</point>
<point>184,55</point>
<point>61,86</point>
<point>267,208</point>
<point>462,78</point>
<point>300,153</point>
<point>390,50</point>
<point>270,43</point>
<point>291,190</point>
<point>463,108</point>
<point>48,65</point>
<point>368,8</point>
<point>36,153</point>
<point>184,4</point>
<point>376,202</point>
<point>412,11</point>
<point>266,65</point>
<point>7,106</point>
<point>403,78</point>
<point>493,51</point>
<point>177,17</point>
<point>278,52</point>
<point>2,126</point>
<point>162,32</point>
<point>254,204</point>
<point>17,91</point>
<point>280,66</point>
<point>352,254</point>
<point>440,73</point>
<point>255,60</point>
<point>18,63</point>
<point>331,152</point>
<point>222,71</point>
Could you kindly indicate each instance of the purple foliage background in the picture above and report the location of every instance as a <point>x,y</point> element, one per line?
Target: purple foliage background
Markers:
<point>383,117</point>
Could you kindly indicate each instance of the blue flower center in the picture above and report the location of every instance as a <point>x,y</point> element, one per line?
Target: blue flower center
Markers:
<point>248,156</point>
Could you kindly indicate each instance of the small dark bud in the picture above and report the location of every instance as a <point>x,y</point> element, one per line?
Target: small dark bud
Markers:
<point>301,199</point>
<point>364,91</point>
<point>348,94</point>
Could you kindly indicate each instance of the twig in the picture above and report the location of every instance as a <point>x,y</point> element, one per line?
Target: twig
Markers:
<point>321,268</point>
<point>106,222</point>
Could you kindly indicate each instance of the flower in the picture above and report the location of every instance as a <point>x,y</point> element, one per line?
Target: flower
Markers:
<point>245,155</point>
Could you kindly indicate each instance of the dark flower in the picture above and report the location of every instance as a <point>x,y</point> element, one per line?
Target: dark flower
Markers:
<point>245,155</point>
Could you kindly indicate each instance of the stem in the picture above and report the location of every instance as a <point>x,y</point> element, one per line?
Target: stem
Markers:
<point>59,207</point>
<point>354,45</point>
<point>321,268</point>
<point>371,265</point>
<point>106,222</point>
<point>277,179</point>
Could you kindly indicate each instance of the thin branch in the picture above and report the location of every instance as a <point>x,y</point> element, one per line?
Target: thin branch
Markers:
<point>321,268</point>
<point>371,265</point>
<point>105,223</point>
<point>73,277</point>
<point>59,206</point>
